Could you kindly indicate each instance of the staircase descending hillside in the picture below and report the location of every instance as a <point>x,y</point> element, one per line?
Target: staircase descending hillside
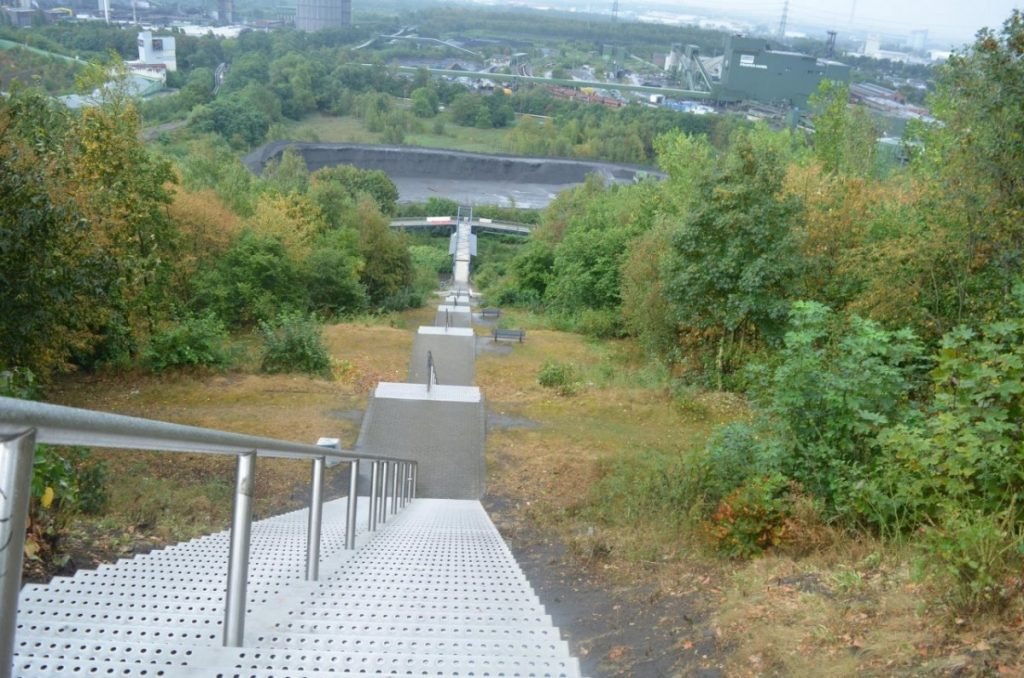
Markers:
<point>436,592</point>
<point>412,586</point>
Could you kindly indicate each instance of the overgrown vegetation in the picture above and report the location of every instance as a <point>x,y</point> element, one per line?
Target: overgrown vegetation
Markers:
<point>293,343</point>
<point>872,318</point>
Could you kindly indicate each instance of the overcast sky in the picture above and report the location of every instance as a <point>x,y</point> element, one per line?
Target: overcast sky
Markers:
<point>958,19</point>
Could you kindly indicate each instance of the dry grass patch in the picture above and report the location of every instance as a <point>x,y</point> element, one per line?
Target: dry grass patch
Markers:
<point>349,129</point>
<point>549,470</point>
<point>854,609</point>
<point>172,497</point>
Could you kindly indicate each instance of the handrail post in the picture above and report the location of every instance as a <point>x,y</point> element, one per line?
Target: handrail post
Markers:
<point>16,456</point>
<point>430,369</point>
<point>316,517</point>
<point>394,487</point>
<point>353,500</point>
<point>401,485</point>
<point>383,508</point>
<point>415,477</point>
<point>374,481</point>
<point>405,485</point>
<point>398,486</point>
<point>238,558</point>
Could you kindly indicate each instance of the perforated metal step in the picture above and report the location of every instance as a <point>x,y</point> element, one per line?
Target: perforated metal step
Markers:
<point>435,592</point>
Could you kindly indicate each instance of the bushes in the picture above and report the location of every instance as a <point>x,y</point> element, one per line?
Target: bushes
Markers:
<point>191,342</point>
<point>752,517</point>
<point>293,343</point>
<point>976,559</point>
<point>255,279</point>
<point>562,377</point>
<point>65,481</point>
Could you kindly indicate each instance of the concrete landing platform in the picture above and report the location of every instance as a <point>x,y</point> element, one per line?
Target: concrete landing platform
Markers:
<point>442,429</point>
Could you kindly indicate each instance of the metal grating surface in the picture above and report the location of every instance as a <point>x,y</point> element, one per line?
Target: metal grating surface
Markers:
<point>436,592</point>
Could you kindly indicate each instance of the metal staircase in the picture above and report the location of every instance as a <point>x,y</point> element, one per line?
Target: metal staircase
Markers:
<point>434,593</point>
<point>391,583</point>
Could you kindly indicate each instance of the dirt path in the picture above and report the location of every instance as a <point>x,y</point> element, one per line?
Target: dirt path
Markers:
<point>613,630</point>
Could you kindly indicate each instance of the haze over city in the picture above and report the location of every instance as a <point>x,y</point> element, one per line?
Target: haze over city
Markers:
<point>950,20</point>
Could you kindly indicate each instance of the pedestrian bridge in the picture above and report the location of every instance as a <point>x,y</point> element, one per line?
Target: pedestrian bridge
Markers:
<point>449,224</point>
<point>406,575</point>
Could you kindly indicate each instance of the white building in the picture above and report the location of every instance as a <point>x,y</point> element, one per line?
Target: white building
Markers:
<point>158,50</point>
<point>918,40</point>
<point>872,45</point>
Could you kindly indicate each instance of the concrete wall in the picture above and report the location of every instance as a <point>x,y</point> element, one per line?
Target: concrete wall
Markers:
<point>437,164</point>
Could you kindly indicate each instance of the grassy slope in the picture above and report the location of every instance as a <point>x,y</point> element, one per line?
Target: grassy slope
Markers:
<point>177,497</point>
<point>350,129</point>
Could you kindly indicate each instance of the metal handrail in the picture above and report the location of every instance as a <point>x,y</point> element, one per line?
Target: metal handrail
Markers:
<point>23,424</point>
<point>60,425</point>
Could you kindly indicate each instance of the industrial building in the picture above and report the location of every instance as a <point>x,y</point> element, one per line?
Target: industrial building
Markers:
<point>316,15</point>
<point>157,51</point>
<point>751,69</point>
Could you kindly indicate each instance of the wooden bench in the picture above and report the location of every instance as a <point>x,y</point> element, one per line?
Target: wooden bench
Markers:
<point>518,335</point>
<point>490,313</point>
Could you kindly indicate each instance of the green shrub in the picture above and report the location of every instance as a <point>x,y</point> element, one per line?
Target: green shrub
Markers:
<point>562,377</point>
<point>823,401</point>
<point>194,341</point>
<point>65,481</point>
<point>293,343</point>
<point>255,279</point>
<point>332,275</point>
<point>734,454</point>
<point>600,323</point>
<point>975,559</point>
<point>19,382</point>
<point>752,518</point>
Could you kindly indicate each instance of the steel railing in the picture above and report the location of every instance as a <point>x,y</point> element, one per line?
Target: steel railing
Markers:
<point>24,424</point>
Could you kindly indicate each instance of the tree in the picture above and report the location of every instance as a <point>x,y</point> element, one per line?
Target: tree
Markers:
<point>52,281</point>
<point>974,163</point>
<point>734,256</point>
<point>207,228</point>
<point>289,174</point>
<point>123,192</point>
<point>465,109</point>
<point>587,271</point>
<point>86,242</point>
<point>354,181</point>
<point>388,269</point>
<point>255,280</point>
<point>332,274</point>
<point>292,219</point>
<point>425,102</point>
<point>230,117</point>
<point>844,135</point>
<point>296,80</point>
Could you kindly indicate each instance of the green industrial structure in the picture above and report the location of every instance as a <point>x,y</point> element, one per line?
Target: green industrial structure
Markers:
<point>751,69</point>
